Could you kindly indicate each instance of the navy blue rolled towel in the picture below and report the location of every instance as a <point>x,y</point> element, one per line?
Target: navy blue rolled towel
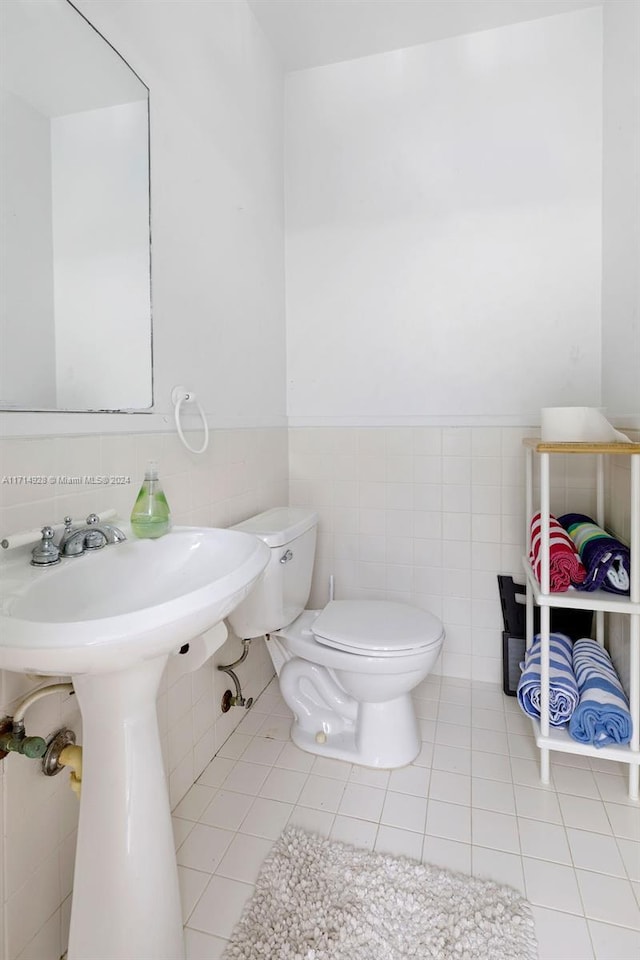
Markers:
<point>606,560</point>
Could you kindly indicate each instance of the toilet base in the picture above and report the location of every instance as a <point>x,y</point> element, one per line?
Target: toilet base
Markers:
<point>384,736</point>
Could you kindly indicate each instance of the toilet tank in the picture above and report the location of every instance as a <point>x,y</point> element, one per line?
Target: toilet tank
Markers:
<point>282,591</point>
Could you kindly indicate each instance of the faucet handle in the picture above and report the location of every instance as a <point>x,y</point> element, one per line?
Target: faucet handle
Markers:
<point>45,552</point>
<point>92,519</point>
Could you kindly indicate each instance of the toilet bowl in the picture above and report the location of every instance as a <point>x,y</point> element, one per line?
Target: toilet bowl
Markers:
<point>346,671</point>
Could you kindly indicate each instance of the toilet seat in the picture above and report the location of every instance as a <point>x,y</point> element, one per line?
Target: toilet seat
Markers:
<point>380,628</point>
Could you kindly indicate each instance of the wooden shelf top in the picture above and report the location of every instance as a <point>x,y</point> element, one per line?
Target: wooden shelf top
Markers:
<point>547,447</point>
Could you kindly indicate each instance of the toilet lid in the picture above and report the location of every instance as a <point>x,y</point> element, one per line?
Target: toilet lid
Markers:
<point>379,628</point>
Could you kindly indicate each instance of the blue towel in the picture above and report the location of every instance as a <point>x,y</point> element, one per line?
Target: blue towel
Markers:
<point>602,715</point>
<point>563,689</point>
<point>607,561</point>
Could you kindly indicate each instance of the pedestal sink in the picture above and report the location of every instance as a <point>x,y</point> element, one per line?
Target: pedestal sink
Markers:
<point>110,619</point>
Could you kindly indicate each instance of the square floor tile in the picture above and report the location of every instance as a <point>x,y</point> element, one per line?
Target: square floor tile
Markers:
<point>488,719</point>
<point>551,885</point>
<point>276,728</point>
<point>322,793</point>
<point>499,831</point>
<point>490,741</point>
<point>246,778</point>
<point>315,821</point>
<point>412,779</point>
<point>227,810</point>
<point>449,821</point>
<point>251,723</point>
<point>334,769</point>
<point>561,935</point>
<point>219,908</point>
<point>404,811</point>
<point>426,709</point>
<point>450,787</point>
<point>487,699</point>
<point>493,795</point>
<point>358,833</point>
<point>285,785</point>
<point>524,747</point>
<point>197,799</point>
<point>262,750</point>
<point>454,713</point>
<point>427,730</point>
<point>216,772</point>
<point>453,735</point>
<point>398,843</point>
<point>244,857</point>
<point>450,854</point>
<point>369,777</point>
<point>490,766</point>
<point>613,787</point>
<point>614,943</point>
<point>362,802</point>
<point>498,866</point>
<point>192,884</point>
<point>578,783</point>
<point>537,804</point>
<point>204,848</point>
<point>234,746</point>
<point>545,841</point>
<point>425,757</point>
<point>584,814</point>
<point>202,946</point>
<point>181,830</point>
<point>452,759</point>
<point>527,773</point>
<point>266,818</point>
<point>293,758</point>
<point>630,853</point>
<point>595,851</point>
<point>625,821</point>
<point>609,899</point>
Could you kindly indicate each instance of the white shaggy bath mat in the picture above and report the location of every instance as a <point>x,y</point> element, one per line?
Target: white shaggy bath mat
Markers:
<point>317,899</point>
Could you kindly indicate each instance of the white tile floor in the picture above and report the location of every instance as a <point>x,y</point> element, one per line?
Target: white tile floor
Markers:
<point>472,801</point>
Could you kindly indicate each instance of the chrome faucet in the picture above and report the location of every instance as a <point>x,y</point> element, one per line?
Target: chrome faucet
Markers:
<point>91,537</point>
<point>75,541</point>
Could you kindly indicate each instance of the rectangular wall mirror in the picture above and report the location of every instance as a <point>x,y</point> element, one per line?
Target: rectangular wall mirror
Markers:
<point>75,269</point>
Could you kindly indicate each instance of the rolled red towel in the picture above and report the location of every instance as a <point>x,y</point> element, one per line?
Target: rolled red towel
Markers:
<point>565,566</point>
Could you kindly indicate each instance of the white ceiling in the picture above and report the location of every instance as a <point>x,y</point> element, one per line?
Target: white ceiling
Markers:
<point>310,33</point>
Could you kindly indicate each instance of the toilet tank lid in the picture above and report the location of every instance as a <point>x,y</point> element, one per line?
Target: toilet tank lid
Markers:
<point>279,525</point>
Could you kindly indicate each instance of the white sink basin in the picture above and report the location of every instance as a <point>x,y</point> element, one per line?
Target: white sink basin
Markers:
<point>110,619</point>
<point>124,603</point>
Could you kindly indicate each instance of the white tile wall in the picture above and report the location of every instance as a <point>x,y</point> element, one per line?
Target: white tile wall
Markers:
<point>427,515</point>
<point>243,472</point>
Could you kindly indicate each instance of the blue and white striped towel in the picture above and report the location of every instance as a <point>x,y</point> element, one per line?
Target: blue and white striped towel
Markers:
<point>563,689</point>
<point>602,715</point>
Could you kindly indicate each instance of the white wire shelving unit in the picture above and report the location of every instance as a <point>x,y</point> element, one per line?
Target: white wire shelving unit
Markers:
<point>600,602</point>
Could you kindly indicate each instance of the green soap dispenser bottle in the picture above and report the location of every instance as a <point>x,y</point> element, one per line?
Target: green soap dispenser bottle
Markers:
<point>151,517</point>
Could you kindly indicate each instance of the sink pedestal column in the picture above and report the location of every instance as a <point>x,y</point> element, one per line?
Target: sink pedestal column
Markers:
<point>126,900</point>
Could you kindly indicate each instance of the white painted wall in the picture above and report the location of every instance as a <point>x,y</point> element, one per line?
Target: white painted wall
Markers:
<point>444,227</point>
<point>621,212</point>
<point>102,296</point>
<point>27,339</point>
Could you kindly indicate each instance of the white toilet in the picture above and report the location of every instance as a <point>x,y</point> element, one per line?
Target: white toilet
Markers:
<point>346,671</point>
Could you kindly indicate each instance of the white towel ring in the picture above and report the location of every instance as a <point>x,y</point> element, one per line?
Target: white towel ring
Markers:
<point>180,395</point>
